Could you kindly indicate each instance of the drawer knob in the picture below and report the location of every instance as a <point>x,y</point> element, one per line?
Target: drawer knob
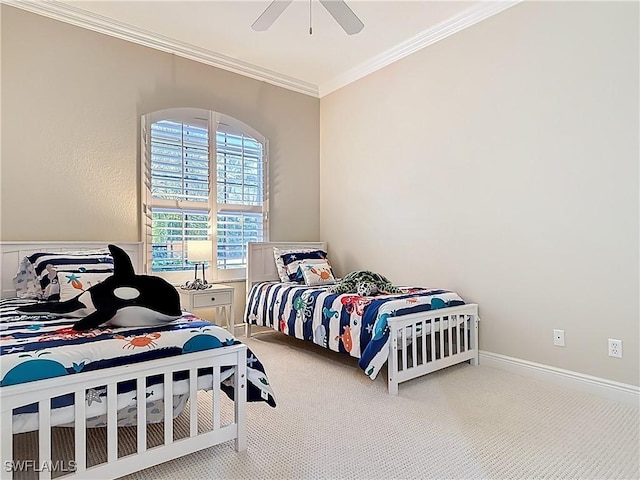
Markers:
<point>213,299</point>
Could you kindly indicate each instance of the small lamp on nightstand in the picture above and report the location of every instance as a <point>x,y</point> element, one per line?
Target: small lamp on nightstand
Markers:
<point>199,251</point>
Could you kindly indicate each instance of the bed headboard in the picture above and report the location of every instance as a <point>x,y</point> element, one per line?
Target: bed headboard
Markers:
<point>261,265</point>
<point>11,253</point>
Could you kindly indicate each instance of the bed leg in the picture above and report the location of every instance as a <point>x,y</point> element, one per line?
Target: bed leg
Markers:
<point>241,401</point>
<point>392,363</point>
<point>476,358</point>
<point>393,387</point>
<point>247,330</point>
<point>7,443</point>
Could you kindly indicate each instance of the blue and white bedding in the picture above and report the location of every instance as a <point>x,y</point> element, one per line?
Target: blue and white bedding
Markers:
<point>37,347</point>
<point>343,323</point>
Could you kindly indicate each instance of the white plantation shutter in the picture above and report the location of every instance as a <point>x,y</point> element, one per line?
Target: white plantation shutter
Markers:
<point>240,194</point>
<point>196,162</point>
<point>180,188</point>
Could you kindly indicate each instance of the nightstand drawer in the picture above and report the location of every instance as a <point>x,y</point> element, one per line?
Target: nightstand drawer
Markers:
<point>211,299</point>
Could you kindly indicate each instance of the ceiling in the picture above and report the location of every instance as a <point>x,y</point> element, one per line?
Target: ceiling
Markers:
<point>219,33</point>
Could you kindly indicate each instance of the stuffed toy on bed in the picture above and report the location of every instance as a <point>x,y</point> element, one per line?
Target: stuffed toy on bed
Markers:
<point>124,300</point>
<point>364,283</point>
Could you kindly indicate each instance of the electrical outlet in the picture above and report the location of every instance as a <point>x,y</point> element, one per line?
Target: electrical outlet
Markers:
<point>615,348</point>
<point>558,338</point>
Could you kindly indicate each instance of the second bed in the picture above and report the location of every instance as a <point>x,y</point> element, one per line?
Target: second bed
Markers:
<point>417,331</point>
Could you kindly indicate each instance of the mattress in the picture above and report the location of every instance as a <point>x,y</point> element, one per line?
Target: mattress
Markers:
<point>344,323</point>
<point>33,348</point>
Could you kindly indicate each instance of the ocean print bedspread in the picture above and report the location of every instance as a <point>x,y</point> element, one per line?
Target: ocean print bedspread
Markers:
<point>343,323</point>
<point>38,347</point>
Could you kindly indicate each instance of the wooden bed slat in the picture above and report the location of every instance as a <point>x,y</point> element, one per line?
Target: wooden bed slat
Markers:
<point>433,340</point>
<point>414,346</point>
<point>80,435</point>
<point>141,413</point>
<point>112,423</point>
<point>441,330</point>
<point>404,348</point>
<point>193,400</point>
<point>44,437</point>
<point>452,319</point>
<point>216,399</point>
<point>168,408</point>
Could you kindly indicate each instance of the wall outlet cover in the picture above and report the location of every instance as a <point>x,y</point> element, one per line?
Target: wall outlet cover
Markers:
<point>615,348</point>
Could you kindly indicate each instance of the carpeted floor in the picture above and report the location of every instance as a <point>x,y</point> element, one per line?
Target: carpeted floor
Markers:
<point>462,422</point>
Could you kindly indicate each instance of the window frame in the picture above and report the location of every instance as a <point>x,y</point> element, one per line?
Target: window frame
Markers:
<point>212,121</point>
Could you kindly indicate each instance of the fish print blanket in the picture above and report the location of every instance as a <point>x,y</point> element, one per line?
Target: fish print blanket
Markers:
<point>346,323</point>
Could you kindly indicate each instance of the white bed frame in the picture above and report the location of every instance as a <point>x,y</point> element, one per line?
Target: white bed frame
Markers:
<point>420,343</point>
<point>43,391</point>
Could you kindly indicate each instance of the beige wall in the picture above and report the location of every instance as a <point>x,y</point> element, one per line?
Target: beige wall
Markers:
<point>502,162</point>
<point>71,106</point>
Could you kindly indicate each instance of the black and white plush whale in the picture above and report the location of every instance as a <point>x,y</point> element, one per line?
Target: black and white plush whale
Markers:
<point>124,299</point>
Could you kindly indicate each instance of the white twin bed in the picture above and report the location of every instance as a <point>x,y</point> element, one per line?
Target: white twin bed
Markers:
<point>89,393</point>
<point>416,333</point>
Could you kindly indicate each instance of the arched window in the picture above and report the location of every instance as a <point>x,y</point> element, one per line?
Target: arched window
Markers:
<point>203,178</point>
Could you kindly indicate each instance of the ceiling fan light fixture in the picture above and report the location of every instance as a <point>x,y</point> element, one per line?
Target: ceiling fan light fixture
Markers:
<point>342,14</point>
<point>270,15</point>
<point>338,9</point>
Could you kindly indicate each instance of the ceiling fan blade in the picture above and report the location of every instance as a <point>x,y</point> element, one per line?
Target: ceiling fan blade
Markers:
<point>270,15</point>
<point>348,20</point>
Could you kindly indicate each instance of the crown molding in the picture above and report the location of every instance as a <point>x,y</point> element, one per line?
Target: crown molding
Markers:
<point>465,19</point>
<point>75,16</point>
<point>97,23</point>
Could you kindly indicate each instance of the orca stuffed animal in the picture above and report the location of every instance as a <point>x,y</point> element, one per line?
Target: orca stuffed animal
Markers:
<point>124,300</point>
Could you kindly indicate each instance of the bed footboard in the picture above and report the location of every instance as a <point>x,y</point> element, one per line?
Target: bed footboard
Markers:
<point>424,342</point>
<point>79,385</point>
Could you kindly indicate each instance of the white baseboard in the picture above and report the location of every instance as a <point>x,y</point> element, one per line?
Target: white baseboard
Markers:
<point>622,392</point>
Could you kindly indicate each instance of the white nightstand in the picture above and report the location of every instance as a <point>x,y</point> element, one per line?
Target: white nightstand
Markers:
<point>219,297</point>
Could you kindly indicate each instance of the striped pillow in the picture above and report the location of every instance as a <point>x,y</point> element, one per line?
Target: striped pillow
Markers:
<point>288,261</point>
<point>46,265</point>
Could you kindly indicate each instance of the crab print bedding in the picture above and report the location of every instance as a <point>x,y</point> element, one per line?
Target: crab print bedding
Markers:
<point>347,323</point>
<point>38,347</point>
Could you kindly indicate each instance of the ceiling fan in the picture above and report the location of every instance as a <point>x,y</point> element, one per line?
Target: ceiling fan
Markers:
<point>338,9</point>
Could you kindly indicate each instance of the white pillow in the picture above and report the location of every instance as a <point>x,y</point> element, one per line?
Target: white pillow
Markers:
<point>317,274</point>
<point>73,284</point>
